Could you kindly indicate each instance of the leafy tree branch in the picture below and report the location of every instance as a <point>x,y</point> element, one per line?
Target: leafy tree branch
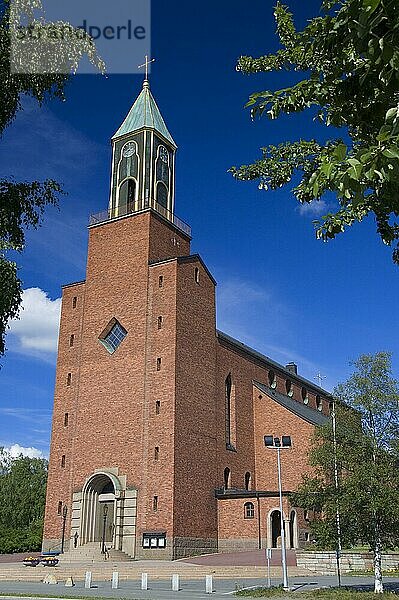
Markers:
<point>350,59</point>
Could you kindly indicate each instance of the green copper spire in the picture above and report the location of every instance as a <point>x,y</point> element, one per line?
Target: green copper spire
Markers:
<point>144,114</point>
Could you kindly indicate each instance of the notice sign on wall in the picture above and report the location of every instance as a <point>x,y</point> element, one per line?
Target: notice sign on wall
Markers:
<point>155,539</point>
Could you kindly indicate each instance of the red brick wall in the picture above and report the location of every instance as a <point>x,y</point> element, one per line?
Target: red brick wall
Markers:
<point>195,476</point>
<point>158,431</point>
<point>59,487</point>
<point>270,418</point>
<point>236,532</point>
<point>113,394</point>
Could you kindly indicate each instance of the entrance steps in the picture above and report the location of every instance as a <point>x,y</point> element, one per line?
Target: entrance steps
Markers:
<point>91,553</point>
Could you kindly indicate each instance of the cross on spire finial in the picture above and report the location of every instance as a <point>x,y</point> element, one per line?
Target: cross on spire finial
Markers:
<point>320,378</point>
<point>146,64</point>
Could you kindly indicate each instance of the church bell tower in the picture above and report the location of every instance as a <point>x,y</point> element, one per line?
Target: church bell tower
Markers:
<point>143,161</point>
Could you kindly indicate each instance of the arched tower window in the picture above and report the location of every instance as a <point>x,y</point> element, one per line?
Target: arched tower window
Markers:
<point>127,196</point>
<point>162,171</point>
<point>162,194</point>
<point>227,478</point>
<point>247,480</point>
<point>127,173</point>
<point>128,164</point>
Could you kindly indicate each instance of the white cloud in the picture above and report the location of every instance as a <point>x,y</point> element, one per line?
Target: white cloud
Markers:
<point>316,207</point>
<point>39,145</point>
<point>235,293</point>
<point>28,415</point>
<point>246,309</point>
<point>37,327</point>
<point>16,450</point>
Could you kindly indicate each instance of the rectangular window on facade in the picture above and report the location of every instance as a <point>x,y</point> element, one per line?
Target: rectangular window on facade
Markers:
<point>66,419</point>
<point>63,461</point>
<point>157,407</point>
<point>155,503</point>
<point>159,361</point>
<point>69,379</point>
<point>160,321</point>
<point>71,340</point>
<point>59,508</point>
<point>156,453</point>
<point>160,281</point>
<point>74,302</point>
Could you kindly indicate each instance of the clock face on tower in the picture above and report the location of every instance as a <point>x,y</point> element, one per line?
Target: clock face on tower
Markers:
<point>163,154</point>
<point>129,149</point>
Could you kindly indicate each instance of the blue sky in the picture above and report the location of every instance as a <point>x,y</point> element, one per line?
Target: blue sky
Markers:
<point>279,290</point>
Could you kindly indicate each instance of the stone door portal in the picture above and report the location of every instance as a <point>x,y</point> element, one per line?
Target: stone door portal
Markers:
<point>104,506</point>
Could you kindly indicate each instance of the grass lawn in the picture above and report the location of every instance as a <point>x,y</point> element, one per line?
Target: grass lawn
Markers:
<point>329,594</point>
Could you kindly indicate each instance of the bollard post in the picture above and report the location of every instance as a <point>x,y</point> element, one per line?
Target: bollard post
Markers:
<point>144,581</point>
<point>88,579</point>
<point>175,583</point>
<point>208,584</point>
<point>115,580</point>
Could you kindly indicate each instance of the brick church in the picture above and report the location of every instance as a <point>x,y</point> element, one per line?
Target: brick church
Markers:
<point>159,418</point>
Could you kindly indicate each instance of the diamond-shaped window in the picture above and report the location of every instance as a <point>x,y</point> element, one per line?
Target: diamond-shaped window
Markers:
<point>113,335</point>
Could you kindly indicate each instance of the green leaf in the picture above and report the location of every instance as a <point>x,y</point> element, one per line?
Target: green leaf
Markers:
<point>340,152</point>
<point>371,5</point>
<point>326,169</point>
<point>391,153</point>
<point>391,114</point>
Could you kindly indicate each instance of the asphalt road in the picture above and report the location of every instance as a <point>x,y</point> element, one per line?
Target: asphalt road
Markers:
<point>190,589</point>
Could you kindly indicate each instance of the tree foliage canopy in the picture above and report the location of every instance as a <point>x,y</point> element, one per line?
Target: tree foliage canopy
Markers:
<point>22,500</point>
<point>367,457</point>
<point>350,60</point>
<point>22,204</point>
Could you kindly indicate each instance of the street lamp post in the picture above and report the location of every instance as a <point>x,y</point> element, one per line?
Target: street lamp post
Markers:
<point>274,443</point>
<point>337,515</point>
<point>105,512</point>
<point>64,516</point>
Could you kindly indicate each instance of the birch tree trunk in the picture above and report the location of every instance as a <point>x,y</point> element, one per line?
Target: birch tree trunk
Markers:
<point>378,585</point>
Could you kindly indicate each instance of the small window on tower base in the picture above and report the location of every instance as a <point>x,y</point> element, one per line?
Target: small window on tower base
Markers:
<point>113,335</point>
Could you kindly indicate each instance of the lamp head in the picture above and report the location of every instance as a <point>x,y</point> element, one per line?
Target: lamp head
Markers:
<point>64,510</point>
<point>105,510</point>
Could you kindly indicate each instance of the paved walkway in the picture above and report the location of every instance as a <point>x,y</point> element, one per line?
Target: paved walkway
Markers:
<point>189,589</point>
<point>249,558</point>
<point>15,558</point>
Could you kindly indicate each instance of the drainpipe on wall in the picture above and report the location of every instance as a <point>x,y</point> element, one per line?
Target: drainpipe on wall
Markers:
<point>259,532</point>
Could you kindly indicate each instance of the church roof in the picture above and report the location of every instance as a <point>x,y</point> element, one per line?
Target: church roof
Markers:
<point>301,410</point>
<point>144,113</point>
<point>248,351</point>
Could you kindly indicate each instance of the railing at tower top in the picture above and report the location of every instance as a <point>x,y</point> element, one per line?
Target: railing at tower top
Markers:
<point>129,209</point>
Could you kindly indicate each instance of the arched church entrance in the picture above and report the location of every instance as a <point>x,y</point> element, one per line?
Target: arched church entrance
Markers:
<point>99,510</point>
<point>105,508</point>
<point>275,528</point>
<point>293,530</point>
